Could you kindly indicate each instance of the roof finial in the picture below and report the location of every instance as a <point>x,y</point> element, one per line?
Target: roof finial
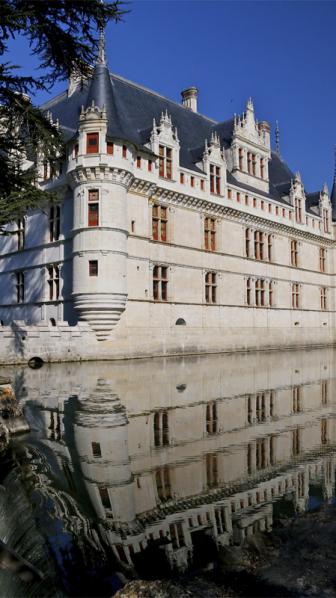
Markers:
<point>277,138</point>
<point>101,59</point>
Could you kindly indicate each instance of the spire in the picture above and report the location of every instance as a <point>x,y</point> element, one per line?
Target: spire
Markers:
<point>277,138</point>
<point>101,58</point>
<point>333,191</point>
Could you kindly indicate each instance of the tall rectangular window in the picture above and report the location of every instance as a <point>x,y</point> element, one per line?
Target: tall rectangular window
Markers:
<point>270,247</point>
<point>259,245</point>
<point>324,392</point>
<point>298,209</point>
<point>215,179</point>
<point>138,161</point>
<point>241,158</point>
<point>160,283</point>
<point>124,151</point>
<point>294,253</point>
<point>53,282</point>
<point>92,143</point>
<point>249,291</point>
<point>209,234</point>
<point>165,161</point>
<point>96,449</point>
<point>161,428</point>
<point>323,258</point>
<point>259,292</point>
<point>325,214</point>
<point>202,185</point>
<point>54,223</point>
<point>295,295</point>
<point>296,399</point>
<point>159,223</point>
<point>93,267</point>
<point>105,498</point>
<point>192,181</point>
<point>182,178</point>
<point>323,298</point>
<point>21,231</point>
<point>211,460</point>
<point>20,287</point>
<point>248,242</point>
<point>93,207</point>
<point>110,147</point>
<point>262,168</point>
<point>210,287</point>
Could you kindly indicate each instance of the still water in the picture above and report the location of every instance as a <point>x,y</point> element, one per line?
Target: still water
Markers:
<point>148,468</point>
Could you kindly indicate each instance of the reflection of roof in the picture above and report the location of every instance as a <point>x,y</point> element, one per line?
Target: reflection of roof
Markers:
<point>130,111</point>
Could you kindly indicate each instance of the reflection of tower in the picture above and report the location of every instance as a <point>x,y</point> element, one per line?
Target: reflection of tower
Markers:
<point>100,435</point>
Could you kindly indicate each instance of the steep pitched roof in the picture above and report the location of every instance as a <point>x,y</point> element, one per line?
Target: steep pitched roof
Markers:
<point>131,109</point>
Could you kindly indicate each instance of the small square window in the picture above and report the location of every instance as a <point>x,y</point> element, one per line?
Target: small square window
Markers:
<point>93,268</point>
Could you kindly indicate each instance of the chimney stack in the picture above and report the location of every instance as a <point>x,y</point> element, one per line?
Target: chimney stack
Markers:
<point>189,98</point>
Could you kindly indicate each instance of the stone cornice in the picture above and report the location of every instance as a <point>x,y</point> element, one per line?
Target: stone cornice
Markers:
<point>232,213</point>
<point>101,173</point>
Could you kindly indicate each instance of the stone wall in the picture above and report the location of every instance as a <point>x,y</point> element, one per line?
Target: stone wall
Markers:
<point>20,342</point>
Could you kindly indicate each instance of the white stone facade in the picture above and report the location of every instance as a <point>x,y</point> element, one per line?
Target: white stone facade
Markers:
<point>236,258</point>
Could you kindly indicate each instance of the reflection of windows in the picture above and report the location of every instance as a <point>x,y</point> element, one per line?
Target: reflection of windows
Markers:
<point>260,408</point>
<point>211,417</point>
<point>160,283</point>
<point>96,450</point>
<point>161,428</point>
<point>220,520</point>
<point>162,477</point>
<point>324,431</point>
<point>296,442</point>
<point>296,396</point>
<point>104,497</point>
<point>159,223</point>
<point>301,485</point>
<point>177,535</point>
<point>261,453</point>
<point>211,469</point>
<point>324,392</point>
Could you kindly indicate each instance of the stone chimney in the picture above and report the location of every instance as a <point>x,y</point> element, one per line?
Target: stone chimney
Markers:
<point>189,98</point>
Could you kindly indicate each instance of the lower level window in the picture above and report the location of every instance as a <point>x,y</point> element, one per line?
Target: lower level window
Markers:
<point>53,282</point>
<point>160,283</point>
<point>210,287</point>
<point>93,267</point>
<point>20,290</point>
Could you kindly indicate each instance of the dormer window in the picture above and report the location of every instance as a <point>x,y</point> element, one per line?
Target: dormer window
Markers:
<point>92,143</point>
<point>215,179</point>
<point>165,162</point>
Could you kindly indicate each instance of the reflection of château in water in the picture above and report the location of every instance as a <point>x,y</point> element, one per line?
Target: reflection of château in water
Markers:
<point>170,449</point>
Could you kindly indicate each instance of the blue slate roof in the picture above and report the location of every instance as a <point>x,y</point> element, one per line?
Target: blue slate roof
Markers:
<point>130,111</point>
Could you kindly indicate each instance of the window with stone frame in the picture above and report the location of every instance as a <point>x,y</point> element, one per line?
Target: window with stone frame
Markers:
<point>53,282</point>
<point>93,267</point>
<point>298,209</point>
<point>215,179</point>
<point>93,207</point>
<point>161,428</point>
<point>248,233</point>
<point>211,463</point>
<point>54,223</point>
<point>262,168</point>
<point>294,253</point>
<point>260,292</point>
<point>249,291</point>
<point>325,216</point>
<point>165,162</point>
<point>323,259</point>
<point>259,245</point>
<point>21,233</point>
<point>160,283</point>
<point>209,233</point>
<point>92,143</point>
<point>159,223</point>
<point>110,147</point>
<point>296,298</point>
<point>323,298</point>
<point>241,159</point>
<point>20,287</point>
<point>210,287</point>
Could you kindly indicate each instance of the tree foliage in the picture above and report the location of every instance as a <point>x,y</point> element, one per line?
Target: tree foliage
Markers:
<point>63,35</point>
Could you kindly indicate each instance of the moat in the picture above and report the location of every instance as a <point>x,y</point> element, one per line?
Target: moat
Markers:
<point>214,472</point>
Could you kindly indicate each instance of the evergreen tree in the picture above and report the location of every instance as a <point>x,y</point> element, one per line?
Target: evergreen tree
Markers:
<point>63,34</point>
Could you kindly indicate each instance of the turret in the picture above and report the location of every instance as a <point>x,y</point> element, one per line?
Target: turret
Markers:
<point>101,174</point>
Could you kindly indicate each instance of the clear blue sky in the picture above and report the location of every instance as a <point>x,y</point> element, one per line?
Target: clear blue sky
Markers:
<point>283,54</point>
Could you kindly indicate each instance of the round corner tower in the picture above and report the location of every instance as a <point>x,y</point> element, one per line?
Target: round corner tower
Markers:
<point>100,179</point>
